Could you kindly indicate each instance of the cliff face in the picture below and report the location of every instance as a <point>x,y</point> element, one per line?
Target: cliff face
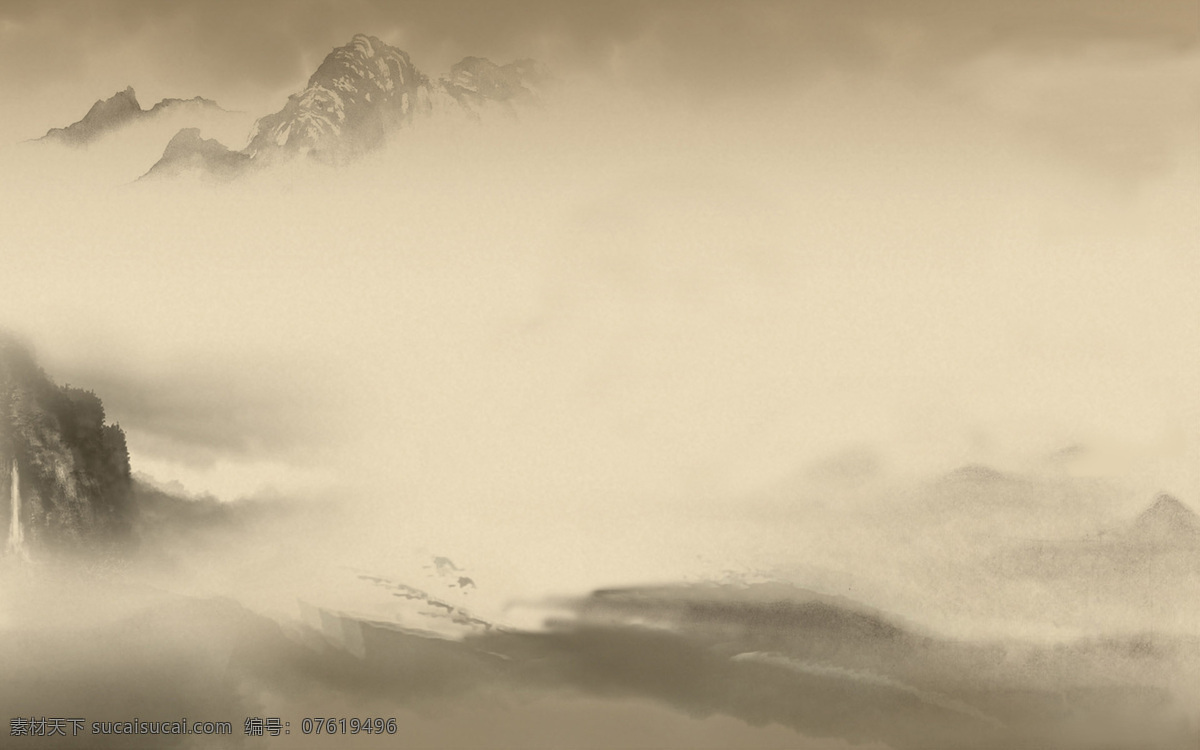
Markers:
<point>73,475</point>
<point>359,93</point>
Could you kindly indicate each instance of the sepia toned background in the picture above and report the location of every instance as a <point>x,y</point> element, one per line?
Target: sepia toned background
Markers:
<point>749,289</point>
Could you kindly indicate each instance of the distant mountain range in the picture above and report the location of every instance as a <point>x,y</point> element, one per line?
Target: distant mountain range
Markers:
<point>121,110</point>
<point>359,96</point>
<point>766,652</point>
<point>1166,525</point>
<point>1161,543</point>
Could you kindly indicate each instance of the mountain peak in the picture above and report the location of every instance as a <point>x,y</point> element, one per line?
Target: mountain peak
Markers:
<point>481,79</point>
<point>195,101</point>
<point>105,115</point>
<point>188,152</point>
<point>366,44</point>
<point>118,107</point>
<point>1167,520</point>
<point>120,110</point>
<point>124,99</point>
<point>359,92</point>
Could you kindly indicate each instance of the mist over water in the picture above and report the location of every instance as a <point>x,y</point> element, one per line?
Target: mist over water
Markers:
<point>629,339</point>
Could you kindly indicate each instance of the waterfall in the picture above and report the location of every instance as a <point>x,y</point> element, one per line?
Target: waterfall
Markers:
<point>16,536</point>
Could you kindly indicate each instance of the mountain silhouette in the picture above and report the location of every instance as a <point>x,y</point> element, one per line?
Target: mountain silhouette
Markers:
<point>189,153</point>
<point>360,95</point>
<point>121,110</point>
<point>1167,521</point>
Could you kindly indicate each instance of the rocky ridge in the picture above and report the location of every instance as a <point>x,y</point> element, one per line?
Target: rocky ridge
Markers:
<point>360,95</point>
<point>122,109</point>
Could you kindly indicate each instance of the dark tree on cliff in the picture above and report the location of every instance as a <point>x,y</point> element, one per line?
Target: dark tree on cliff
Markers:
<point>75,474</point>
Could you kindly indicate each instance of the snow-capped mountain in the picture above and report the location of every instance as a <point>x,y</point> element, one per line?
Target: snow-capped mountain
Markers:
<point>361,94</point>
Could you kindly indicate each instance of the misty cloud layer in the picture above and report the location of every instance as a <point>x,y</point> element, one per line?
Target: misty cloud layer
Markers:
<point>681,282</point>
<point>839,350</point>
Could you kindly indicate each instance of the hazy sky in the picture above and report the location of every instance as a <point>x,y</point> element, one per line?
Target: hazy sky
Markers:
<point>747,237</point>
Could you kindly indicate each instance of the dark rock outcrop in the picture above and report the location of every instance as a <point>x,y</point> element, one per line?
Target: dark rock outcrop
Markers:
<point>359,93</point>
<point>74,474</point>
